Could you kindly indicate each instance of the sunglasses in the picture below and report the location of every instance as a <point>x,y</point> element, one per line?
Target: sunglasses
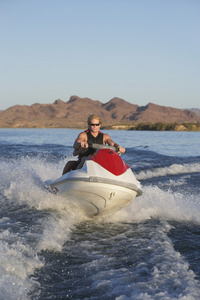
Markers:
<point>91,124</point>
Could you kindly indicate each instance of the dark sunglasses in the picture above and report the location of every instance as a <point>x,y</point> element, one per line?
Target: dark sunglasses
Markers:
<point>91,124</point>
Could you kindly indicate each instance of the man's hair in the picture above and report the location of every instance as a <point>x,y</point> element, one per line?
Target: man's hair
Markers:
<point>91,117</point>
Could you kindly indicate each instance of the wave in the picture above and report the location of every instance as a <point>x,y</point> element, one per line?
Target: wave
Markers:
<point>160,204</point>
<point>23,186</point>
<point>39,222</point>
<point>151,269</point>
<point>174,169</point>
<point>18,262</point>
<point>36,221</point>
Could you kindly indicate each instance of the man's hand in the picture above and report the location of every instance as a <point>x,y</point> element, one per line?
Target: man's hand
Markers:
<point>121,149</point>
<point>84,145</point>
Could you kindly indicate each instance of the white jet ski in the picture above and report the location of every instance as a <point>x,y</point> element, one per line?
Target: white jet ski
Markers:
<point>104,183</point>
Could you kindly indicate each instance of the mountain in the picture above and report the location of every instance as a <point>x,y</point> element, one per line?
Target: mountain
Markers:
<point>74,113</point>
<point>196,111</point>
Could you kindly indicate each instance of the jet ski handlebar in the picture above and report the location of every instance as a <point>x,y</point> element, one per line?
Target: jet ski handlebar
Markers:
<point>98,146</point>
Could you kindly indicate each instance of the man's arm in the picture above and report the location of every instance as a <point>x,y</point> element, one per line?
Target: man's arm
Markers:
<point>107,140</point>
<point>81,141</point>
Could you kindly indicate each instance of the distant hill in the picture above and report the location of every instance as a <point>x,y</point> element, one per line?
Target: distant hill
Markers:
<point>74,114</point>
<point>196,111</point>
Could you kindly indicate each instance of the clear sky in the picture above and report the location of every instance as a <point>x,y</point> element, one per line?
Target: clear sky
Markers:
<point>139,50</point>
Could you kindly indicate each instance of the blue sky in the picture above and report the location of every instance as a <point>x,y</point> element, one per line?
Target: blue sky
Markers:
<point>139,50</point>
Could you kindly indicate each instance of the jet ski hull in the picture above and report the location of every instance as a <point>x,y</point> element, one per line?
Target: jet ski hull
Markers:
<point>96,189</point>
<point>95,197</point>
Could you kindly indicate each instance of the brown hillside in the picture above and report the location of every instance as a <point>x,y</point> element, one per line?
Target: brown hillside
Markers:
<point>164,114</point>
<point>119,109</point>
<point>74,113</point>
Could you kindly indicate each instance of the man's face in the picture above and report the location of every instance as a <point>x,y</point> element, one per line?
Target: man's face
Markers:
<point>95,125</point>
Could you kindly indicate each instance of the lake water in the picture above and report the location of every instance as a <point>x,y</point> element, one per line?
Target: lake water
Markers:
<point>148,250</point>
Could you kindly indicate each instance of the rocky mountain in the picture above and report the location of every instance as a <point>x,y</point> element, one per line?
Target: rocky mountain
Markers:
<point>196,111</point>
<point>74,113</point>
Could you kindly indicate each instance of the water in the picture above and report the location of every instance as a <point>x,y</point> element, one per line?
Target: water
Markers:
<point>51,250</point>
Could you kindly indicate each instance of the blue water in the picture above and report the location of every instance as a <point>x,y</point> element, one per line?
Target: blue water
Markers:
<point>51,250</point>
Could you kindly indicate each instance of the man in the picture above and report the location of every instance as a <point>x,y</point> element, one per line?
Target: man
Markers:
<point>84,139</point>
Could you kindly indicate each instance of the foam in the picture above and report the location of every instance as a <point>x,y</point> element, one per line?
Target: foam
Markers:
<point>151,267</point>
<point>57,228</point>
<point>171,170</point>
<point>157,203</point>
<point>17,262</point>
<point>29,190</point>
<point>23,187</point>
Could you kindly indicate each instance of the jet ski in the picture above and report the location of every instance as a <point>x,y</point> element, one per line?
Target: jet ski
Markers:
<point>104,183</point>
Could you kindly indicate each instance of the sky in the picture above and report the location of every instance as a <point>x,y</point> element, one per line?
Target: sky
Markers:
<point>139,50</point>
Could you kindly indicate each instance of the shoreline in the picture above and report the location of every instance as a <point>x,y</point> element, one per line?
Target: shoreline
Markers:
<point>194,127</point>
